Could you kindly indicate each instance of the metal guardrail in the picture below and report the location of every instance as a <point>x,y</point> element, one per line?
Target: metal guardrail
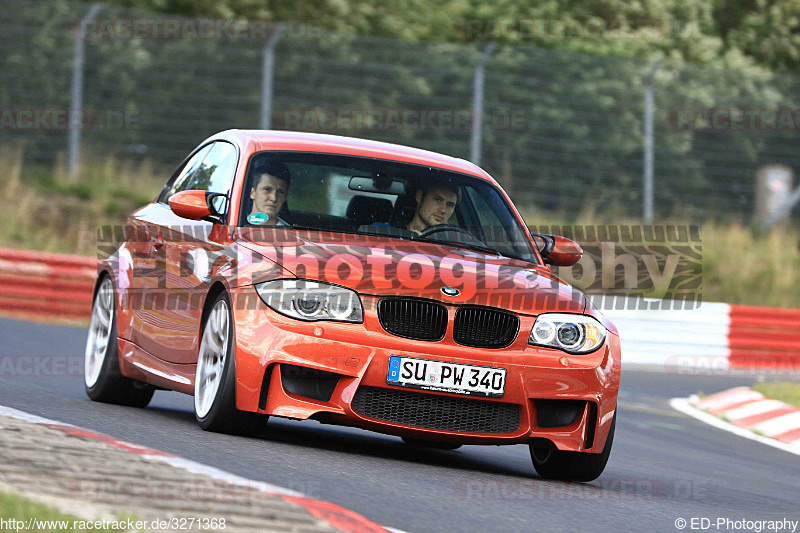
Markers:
<point>46,286</point>
<point>713,336</point>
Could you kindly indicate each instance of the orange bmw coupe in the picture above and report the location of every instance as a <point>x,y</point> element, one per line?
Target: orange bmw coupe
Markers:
<point>358,283</point>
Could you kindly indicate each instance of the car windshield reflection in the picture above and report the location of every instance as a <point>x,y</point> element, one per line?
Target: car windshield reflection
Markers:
<point>357,195</point>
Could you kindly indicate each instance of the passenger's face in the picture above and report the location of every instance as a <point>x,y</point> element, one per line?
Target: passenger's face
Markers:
<point>436,206</point>
<point>269,195</point>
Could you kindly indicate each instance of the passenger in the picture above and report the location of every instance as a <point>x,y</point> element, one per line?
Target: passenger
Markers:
<point>269,191</point>
<point>435,205</point>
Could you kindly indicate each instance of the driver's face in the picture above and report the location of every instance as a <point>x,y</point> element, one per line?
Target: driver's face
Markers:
<point>269,195</point>
<point>436,206</point>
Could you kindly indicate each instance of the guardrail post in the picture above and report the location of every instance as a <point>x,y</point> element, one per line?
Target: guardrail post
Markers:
<point>783,210</point>
<point>76,93</point>
<point>647,192</point>
<point>477,104</point>
<point>267,77</point>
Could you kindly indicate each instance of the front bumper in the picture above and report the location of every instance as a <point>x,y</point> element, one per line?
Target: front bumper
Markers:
<point>358,355</point>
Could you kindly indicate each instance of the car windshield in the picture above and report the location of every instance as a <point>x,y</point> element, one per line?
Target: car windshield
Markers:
<point>369,196</point>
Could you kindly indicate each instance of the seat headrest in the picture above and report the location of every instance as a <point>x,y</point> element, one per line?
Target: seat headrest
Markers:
<point>404,209</point>
<point>366,210</point>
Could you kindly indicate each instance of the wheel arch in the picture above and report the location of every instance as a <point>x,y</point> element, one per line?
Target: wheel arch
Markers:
<point>217,288</point>
<point>102,273</point>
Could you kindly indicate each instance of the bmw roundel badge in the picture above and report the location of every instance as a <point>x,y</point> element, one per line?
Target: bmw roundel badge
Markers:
<point>450,291</point>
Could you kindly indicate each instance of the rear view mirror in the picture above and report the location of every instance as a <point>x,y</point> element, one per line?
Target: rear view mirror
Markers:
<point>557,250</point>
<point>378,183</point>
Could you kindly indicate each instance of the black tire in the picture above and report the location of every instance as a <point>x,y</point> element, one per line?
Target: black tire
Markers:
<point>223,416</point>
<point>110,385</point>
<point>437,445</point>
<point>570,466</point>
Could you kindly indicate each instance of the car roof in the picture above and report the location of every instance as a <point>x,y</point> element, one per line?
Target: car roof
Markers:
<point>258,140</point>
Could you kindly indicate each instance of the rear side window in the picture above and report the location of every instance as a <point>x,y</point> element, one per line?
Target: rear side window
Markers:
<point>181,182</point>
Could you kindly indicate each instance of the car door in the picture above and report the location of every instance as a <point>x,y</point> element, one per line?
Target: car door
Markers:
<point>148,255</point>
<point>192,250</point>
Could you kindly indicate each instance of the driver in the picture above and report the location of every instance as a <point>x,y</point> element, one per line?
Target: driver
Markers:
<point>269,191</point>
<point>435,205</point>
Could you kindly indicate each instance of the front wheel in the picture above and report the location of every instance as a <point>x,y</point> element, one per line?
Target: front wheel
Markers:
<point>215,378</point>
<point>102,378</point>
<point>570,466</point>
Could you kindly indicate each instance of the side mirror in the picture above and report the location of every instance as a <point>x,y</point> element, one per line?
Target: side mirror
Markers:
<point>557,250</point>
<point>196,205</point>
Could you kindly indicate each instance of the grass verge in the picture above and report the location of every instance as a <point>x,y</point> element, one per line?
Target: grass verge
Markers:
<point>787,392</point>
<point>43,209</point>
<point>32,516</point>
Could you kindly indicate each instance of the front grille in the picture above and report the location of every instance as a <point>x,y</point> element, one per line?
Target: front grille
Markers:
<point>436,412</point>
<point>414,319</point>
<point>483,327</point>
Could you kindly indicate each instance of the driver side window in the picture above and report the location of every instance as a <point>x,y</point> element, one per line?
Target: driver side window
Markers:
<point>181,181</point>
<point>216,172</point>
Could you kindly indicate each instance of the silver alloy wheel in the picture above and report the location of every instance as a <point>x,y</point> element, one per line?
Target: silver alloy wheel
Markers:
<point>99,333</point>
<point>211,361</point>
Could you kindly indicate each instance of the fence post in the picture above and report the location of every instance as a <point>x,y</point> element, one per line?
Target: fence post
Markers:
<point>76,94</point>
<point>267,76</point>
<point>647,194</point>
<point>477,104</point>
<point>781,211</point>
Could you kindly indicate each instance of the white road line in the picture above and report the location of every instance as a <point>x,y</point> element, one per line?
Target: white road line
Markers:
<point>220,475</point>
<point>27,417</point>
<point>684,405</point>
<point>178,462</point>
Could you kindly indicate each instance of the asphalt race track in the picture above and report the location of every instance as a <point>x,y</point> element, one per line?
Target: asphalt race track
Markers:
<point>664,465</point>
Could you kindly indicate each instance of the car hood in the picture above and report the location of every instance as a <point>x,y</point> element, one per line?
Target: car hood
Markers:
<point>380,266</point>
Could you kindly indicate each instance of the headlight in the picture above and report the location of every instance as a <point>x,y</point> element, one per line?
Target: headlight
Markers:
<point>311,300</point>
<point>575,334</point>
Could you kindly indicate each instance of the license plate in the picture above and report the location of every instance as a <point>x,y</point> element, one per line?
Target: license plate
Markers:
<point>446,377</point>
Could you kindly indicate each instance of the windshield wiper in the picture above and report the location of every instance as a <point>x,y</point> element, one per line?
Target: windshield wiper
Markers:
<point>477,247</point>
<point>312,228</point>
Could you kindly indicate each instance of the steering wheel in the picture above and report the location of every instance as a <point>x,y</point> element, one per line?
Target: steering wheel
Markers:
<point>439,228</point>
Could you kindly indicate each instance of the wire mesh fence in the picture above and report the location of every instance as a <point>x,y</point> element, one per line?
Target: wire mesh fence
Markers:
<point>560,131</point>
